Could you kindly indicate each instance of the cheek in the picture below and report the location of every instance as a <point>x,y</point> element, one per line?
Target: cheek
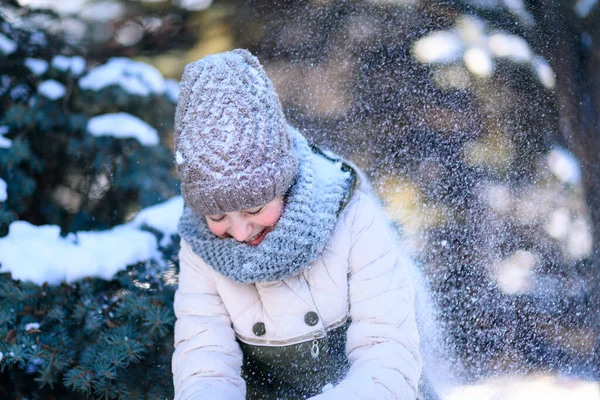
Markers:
<point>217,228</point>
<point>271,216</point>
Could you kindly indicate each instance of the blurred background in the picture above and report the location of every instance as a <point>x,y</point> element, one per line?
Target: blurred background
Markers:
<point>477,120</point>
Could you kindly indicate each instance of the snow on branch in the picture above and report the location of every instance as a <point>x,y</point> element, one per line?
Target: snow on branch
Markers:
<point>132,76</point>
<point>52,89</point>
<point>3,195</point>
<point>583,8</point>
<point>162,217</point>
<point>75,64</point>
<point>37,66</point>
<point>7,46</point>
<point>99,254</point>
<point>122,125</point>
<point>472,44</point>
<point>4,142</point>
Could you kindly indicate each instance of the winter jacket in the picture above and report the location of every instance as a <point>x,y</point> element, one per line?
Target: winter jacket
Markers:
<point>357,295</point>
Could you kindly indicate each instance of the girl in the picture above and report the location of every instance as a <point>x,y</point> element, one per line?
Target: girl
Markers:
<point>292,285</point>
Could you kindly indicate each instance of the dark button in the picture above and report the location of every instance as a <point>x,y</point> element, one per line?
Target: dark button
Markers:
<point>259,329</point>
<point>311,318</point>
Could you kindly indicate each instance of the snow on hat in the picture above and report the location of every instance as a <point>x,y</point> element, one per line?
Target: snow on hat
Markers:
<point>232,146</point>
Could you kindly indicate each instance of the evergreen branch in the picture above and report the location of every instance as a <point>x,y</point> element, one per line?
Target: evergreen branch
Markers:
<point>80,380</point>
<point>57,314</point>
<point>106,392</point>
<point>104,370</point>
<point>93,321</point>
<point>47,376</point>
<point>134,351</point>
<point>116,357</point>
<point>10,291</point>
<point>7,316</point>
<point>159,320</point>
<point>17,354</point>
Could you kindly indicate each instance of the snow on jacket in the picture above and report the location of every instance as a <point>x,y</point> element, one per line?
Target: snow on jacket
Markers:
<point>361,278</point>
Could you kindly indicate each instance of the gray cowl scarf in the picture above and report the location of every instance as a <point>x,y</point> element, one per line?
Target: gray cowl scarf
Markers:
<point>304,228</point>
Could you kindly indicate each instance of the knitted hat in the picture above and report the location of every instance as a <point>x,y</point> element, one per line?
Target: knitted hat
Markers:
<point>232,146</point>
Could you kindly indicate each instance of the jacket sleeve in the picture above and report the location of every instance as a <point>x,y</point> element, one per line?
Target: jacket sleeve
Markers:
<point>207,360</point>
<point>382,340</point>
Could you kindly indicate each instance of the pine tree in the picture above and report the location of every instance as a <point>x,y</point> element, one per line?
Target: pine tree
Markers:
<point>55,170</point>
<point>92,338</point>
<point>106,339</point>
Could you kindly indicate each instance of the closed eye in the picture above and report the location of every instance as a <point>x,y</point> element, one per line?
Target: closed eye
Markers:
<point>255,212</point>
<point>216,218</point>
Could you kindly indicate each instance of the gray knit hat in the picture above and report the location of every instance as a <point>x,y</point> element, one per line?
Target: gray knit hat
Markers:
<point>232,146</point>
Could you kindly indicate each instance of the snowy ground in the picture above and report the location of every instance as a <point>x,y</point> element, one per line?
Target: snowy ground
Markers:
<point>542,387</point>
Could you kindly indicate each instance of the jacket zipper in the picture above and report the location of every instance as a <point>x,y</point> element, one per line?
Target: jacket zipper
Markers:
<point>314,349</point>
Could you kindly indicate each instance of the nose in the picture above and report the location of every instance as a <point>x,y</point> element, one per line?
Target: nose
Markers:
<point>240,229</point>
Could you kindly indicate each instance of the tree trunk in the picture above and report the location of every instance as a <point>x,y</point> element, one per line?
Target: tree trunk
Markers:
<point>572,46</point>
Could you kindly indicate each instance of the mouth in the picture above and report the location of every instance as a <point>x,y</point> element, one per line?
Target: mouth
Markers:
<point>255,241</point>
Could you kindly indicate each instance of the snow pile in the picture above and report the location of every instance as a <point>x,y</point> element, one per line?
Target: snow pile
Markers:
<point>7,46</point>
<point>583,8</point>
<point>478,61</point>
<point>123,125</point>
<point>544,71</point>
<point>194,5</point>
<point>52,89</point>
<point>510,46</point>
<point>61,7</point>
<point>32,325</point>
<point>172,88</point>
<point>103,11</point>
<point>3,195</point>
<point>518,8</point>
<point>37,66</point>
<point>439,47</point>
<point>470,43</point>
<point>162,217</point>
<point>99,254</point>
<point>4,142</point>
<point>564,166</point>
<point>134,77</point>
<point>75,64</point>
<point>516,387</point>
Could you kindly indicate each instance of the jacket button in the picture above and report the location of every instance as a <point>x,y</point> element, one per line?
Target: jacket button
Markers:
<point>311,318</point>
<point>259,329</point>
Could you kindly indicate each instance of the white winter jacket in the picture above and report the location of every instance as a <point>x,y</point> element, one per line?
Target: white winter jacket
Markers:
<point>362,275</point>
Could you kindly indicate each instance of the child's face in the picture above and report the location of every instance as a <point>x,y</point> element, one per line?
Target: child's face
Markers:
<point>250,225</point>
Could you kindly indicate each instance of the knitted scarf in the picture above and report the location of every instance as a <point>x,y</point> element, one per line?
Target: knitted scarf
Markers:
<point>299,237</point>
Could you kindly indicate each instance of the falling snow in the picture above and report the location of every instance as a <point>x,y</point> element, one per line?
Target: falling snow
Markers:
<point>179,158</point>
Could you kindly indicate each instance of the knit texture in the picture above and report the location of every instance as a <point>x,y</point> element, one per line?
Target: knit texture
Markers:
<point>232,148</point>
<point>299,237</point>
